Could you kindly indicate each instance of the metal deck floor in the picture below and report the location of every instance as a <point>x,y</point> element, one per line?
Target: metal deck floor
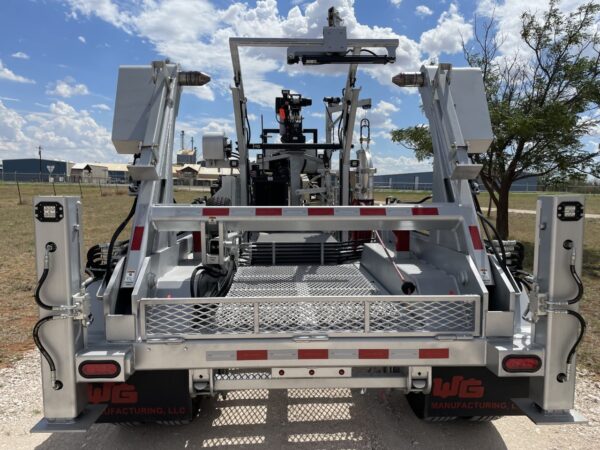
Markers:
<point>302,281</point>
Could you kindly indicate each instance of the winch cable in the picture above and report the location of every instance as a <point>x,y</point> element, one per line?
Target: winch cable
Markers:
<point>408,287</point>
<point>56,384</point>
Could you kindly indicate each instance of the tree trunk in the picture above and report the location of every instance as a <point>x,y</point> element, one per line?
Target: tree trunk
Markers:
<point>502,210</point>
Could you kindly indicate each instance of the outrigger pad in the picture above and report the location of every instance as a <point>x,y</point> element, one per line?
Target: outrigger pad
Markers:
<point>147,396</point>
<point>469,391</point>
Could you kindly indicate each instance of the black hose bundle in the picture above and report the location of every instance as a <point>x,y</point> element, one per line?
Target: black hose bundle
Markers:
<point>115,235</point>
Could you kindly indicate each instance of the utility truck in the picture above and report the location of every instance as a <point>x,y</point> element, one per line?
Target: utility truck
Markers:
<point>291,274</point>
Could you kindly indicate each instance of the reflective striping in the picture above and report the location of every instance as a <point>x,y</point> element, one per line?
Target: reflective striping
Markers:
<point>346,212</point>
<point>252,355</point>
<point>321,212</point>
<point>404,353</point>
<point>242,212</point>
<point>214,355</point>
<point>136,239</point>
<point>320,353</point>
<point>475,237</point>
<point>313,353</point>
<point>371,211</point>
<point>402,240</point>
<point>399,212</point>
<point>434,353</point>
<point>295,212</point>
<point>268,211</point>
<point>196,241</point>
<point>343,353</point>
<point>282,354</point>
<point>215,212</point>
<point>373,353</point>
<point>425,211</point>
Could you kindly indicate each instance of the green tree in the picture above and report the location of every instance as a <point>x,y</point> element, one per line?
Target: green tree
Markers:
<point>542,102</point>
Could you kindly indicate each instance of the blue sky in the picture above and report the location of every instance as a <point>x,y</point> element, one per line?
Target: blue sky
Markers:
<point>59,62</point>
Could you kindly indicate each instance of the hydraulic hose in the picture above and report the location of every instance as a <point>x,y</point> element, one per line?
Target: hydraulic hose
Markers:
<point>50,247</point>
<point>583,325</point>
<point>56,384</point>
<point>113,239</point>
<point>577,281</point>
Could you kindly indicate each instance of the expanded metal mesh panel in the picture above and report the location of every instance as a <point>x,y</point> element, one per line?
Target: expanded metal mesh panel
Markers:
<point>312,317</point>
<point>188,319</point>
<point>301,281</point>
<point>429,316</point>
<point>291,317</point>
<point>344,291</point>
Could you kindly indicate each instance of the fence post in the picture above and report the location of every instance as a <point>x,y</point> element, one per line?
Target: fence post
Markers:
<point>80,190</point>
<point>100,187</point>
<point>53,187</point>
<point>19,191</point>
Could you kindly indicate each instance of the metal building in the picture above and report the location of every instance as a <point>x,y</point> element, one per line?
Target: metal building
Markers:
<point>35,169</point>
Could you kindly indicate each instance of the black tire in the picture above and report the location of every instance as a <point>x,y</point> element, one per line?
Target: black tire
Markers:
<point>218,201</point>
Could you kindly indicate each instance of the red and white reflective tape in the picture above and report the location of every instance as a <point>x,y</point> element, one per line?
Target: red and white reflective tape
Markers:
<point>312,211</point>
<point>323,353</point>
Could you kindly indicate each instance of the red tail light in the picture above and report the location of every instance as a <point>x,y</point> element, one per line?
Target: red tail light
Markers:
<point>521,363</point>
<point>99,369</point>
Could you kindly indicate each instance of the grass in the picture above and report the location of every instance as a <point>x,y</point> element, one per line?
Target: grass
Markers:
<point>102,213</point>
<point>518,200</point>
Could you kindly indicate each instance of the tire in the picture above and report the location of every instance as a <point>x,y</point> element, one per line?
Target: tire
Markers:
<point>218,201</point>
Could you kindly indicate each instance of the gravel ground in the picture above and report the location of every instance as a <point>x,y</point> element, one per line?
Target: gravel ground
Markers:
<point>328,419</point>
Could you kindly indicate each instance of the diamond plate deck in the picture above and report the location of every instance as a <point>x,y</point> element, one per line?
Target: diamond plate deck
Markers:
<point>301,281</point>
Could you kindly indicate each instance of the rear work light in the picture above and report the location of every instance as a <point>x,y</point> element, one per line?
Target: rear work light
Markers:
<point>99,369</point>
<point>521,363</point>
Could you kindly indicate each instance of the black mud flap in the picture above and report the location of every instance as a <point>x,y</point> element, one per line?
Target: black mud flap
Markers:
<point>468,392</point>
<point>148,396</point>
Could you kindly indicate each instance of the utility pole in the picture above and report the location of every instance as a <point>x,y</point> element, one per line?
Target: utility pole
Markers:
<point>182,139</point>
<point>40,155</point>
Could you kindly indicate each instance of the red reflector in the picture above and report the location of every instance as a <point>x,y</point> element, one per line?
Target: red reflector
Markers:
<point>214,212</point>
<point>370,211</point>
<point>320,211</point>
<point>402,240</point>
<point>268,211</point>
<point>521,363</point>
<point>425,211</point>
<point>197,241</point>
<point>475,237</point>
<point>99,369</point>
<point>373,353</point>
<point>252,355</point>
<point>136,240</point>
<point>313,353</point>
<point>434,353</point>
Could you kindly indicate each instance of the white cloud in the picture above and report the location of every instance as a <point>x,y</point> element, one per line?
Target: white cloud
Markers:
<point>101,107</point>
<point>396,3</point>
<point>7,74</point>
<point>423,11</point>
<point>507,15</point>
<point>448,35</point>
<point>20,55</point>
<point>67,88</point>
<point>9,99</point>
<point>65,133</point>
<point>219,124</point>
<point>173,28</point>
<point>81,39</point>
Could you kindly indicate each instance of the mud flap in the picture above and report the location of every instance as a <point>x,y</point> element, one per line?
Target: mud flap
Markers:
<point>467,392</point>
<point>155,396</point>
